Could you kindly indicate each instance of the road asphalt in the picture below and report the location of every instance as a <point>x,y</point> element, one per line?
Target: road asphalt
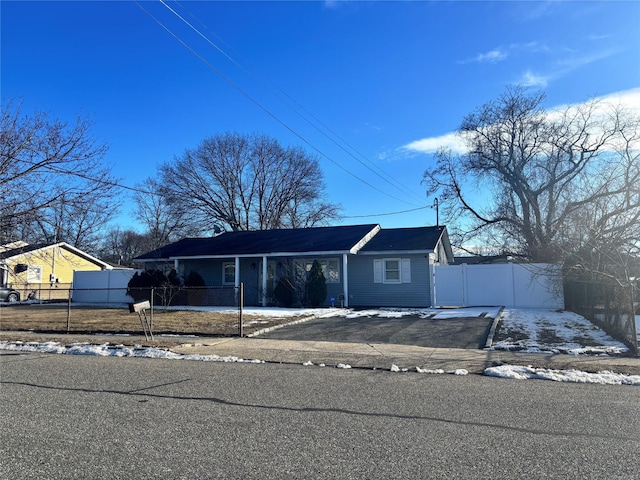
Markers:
<point>356,355</point>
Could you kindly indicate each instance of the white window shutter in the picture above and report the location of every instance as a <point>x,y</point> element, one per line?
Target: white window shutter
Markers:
<point>377,271</point>
<point>406,270</point>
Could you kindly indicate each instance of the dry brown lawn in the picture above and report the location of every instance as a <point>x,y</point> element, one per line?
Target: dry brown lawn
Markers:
<point>57,317</point>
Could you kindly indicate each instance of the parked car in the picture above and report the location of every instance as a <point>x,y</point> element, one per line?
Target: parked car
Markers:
<point>9,295</point>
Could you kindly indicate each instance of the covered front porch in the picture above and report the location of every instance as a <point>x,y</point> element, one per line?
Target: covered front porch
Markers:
<point>260,274</point>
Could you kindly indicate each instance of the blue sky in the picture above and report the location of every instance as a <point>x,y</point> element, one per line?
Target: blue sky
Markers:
<point>388,81</point>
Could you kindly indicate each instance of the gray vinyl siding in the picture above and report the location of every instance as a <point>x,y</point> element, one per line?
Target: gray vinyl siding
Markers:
<point>441,255</point>
<point>211,271</point>
<point>363,292</point>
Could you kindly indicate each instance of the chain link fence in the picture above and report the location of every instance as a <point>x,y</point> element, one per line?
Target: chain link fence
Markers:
<point>611,307</point>
<point>202,311</point>
<point>44,291</point>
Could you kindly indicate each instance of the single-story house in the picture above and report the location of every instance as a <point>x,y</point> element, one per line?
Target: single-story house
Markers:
<point>364,265</point>
<point>34,267</point>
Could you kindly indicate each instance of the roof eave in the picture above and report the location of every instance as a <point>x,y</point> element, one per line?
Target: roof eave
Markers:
<point>364,240</point>
<point>67,246</point>
<point>397,252</point>
<point>254,255</point>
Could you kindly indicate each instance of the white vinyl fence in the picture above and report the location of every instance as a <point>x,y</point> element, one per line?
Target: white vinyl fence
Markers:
<point>103,286</point>
<point>537,285</point>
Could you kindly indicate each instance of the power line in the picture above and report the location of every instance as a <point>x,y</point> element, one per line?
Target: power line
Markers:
<point>260,77</point>
<point>387,214</point>
<point>262,107</point>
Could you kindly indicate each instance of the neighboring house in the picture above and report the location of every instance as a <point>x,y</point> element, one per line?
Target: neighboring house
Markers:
<point>36,267</point>
<point>363,265</point>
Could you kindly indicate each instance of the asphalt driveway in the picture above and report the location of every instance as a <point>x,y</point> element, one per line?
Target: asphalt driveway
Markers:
<point>463,332</point>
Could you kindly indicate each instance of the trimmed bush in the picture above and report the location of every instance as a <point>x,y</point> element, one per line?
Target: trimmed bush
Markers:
<point>284,293</point>
<point>140,285</point>
<point>196,294</point>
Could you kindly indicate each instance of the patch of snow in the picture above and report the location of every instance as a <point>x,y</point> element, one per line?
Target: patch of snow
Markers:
<point>106,350</point>
<point>573,376</point>
<point>459,371</point>
<point>395,368</point>
<point>570,333</point>
<point>491,312</point>
<point>343,365</point>
<point>308,364</point>
<point>428,370</point>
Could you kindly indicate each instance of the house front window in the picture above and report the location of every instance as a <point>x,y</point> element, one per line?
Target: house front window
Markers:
<point>330,268</point>
<point>392,270</point>
<point>34,274</point>
<point>229,273</point>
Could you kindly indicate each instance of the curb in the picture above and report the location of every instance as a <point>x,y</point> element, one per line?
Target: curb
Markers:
<point>492,330</point>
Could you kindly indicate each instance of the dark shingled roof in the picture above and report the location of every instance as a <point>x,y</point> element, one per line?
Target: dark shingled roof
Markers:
<point>20,250</point>
<point>259,242</point>
<point>408,239</point>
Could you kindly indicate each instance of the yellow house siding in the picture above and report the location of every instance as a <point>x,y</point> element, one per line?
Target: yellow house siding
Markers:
<point>55,262</point>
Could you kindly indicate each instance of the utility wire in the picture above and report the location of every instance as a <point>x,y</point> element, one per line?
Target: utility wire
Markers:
<point>387,214</point>
<point>259,105</point>
<point>343,144</point>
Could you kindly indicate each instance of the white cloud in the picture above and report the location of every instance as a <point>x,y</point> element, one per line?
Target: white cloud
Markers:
<point>493,56</point>
<point>530,79</point>
<point>498,54</point>
<point>561,69</point>
<point>629,99</point>
<point>450,141</point>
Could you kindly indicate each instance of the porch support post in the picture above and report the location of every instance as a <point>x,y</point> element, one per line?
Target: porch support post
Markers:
<point>175,265</point>
<point>237,279</point>
<point>264,281</point>
<point>345,280</point>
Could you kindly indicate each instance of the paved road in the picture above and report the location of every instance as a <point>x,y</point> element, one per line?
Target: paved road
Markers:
<point>407,330</point>
<point>72,417</point>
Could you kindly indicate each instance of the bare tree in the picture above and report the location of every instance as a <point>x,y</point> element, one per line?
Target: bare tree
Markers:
<point>246,183</point>
<point>163,222</point>
<point>119,247</point>
<point>544,185</point>
<point>53,181</point>
<point>78,222</point>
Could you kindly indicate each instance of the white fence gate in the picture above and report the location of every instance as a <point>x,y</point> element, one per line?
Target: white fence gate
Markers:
<point>533,285</point>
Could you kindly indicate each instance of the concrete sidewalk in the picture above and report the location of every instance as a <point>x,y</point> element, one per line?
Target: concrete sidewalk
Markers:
<point>357,355</point>
<point>382,356</point>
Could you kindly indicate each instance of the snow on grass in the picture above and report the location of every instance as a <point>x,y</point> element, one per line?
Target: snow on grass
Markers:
<point>542,331</point>
<point>439,314</point>
<point>106,350</point>
<point>528,330</point>
<point>572,376</point>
